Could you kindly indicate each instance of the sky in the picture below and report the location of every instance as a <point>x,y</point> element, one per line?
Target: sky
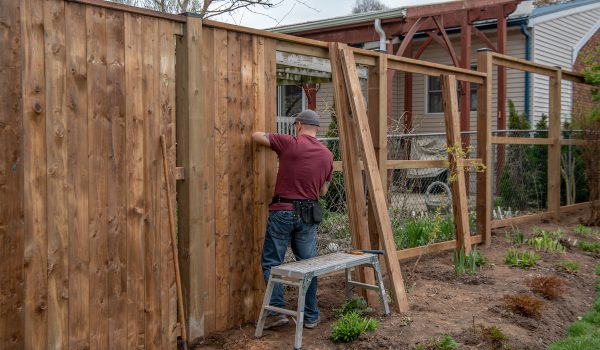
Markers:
<point>298,11</point>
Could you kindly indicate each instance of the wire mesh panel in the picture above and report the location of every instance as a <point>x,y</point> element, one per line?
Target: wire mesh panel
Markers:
<point>574,186</point>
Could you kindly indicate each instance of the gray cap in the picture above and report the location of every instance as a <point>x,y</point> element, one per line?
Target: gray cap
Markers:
<point>308,117</point>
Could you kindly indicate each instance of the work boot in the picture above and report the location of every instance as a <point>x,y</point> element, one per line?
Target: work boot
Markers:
<point>312,324</point>
<point>274,321</point>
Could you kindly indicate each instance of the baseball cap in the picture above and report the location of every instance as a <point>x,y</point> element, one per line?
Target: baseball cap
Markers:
<point>308,117</point>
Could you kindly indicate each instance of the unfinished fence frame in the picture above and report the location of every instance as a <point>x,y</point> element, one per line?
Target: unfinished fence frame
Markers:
<point>57,249</point>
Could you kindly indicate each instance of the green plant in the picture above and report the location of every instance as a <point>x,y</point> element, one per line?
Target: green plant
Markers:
<point>515,258</point>
<point>524,305</point>
<point>459,261</point>
<point>546,241</point>
<point>358,305</point>
<point>515,236</point>
<point>421,231</point>
<point>585,231</point>
<point>471,261</point>
<point>350,326</point>
<point>476,259</point>
<point>443,342</point>
<point>589,246</point>
<point>495,337</point>
<point>569,266</point>
<point>335,225</point>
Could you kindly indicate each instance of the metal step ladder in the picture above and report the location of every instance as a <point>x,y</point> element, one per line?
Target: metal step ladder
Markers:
<point>301,273</point>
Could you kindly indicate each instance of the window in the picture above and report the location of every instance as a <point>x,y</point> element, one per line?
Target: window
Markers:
<point>434,95</point>
<point>290,100</point>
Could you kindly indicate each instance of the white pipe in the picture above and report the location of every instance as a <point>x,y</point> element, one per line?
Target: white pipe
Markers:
<point>382,38</point>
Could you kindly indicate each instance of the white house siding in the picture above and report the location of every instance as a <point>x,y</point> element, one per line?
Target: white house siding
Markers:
<point>553,44</point>
<point>424,122</point>
<point>325,103</point>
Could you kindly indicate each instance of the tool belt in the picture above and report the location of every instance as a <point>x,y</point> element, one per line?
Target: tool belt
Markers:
<point>308,210</point>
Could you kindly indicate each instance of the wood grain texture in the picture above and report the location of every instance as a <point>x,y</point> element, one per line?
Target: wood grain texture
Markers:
<point>77,196</point>
<point>554,177</point>
<point>458,185</point>
<point>11,178</point>
<point>410,253</point>
<point>56,155</point>
<point>484,148</point>
<point>134,121</point>
<point>98,136</point>
<point>377,194</point>
<point>116,181</point>
<point>34,170</point>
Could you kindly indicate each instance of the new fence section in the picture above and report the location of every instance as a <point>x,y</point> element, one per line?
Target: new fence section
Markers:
<point>85,248</point>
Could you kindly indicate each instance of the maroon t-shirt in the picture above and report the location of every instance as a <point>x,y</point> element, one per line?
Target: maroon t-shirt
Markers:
<point>304,166</point>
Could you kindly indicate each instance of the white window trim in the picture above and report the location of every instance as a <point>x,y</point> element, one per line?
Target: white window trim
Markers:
<point>280,100</point>
<point>426,98</point>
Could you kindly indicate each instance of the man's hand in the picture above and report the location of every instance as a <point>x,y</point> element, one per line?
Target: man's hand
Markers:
<point>325,188</point>
<point>262,138</point>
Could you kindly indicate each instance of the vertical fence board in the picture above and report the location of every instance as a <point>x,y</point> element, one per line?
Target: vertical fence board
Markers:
<point>221,180</point>
<point>34,170</point>
<point>117,194</point>
<point>554,148</point>
<point>11,179</point>
<point>168,290</point>
<point>98,135</point>
<point>77,163</point>
<point>207,146</point>
<point>247,180</point>
<point>484,149</point>
<point>58,274</point>
<point>135,182</point>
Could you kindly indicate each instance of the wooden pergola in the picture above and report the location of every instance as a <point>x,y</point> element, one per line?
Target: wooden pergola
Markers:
<point>433,21</point>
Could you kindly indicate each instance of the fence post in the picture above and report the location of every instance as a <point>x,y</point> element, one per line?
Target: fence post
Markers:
<point>554,147</point>
<point>484,148</point>
<point>189,156</point>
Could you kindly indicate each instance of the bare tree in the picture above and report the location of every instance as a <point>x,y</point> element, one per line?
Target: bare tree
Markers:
<point>361,6</point>
<point>542,3</point>
<point>205,8</point>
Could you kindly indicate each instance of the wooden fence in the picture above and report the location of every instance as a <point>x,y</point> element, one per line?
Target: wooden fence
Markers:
<point>88,88</point>
<point>84,243</point>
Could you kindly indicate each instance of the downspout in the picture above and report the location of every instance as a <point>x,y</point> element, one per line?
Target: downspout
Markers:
<point>382,38</point>
<point>527,74</point>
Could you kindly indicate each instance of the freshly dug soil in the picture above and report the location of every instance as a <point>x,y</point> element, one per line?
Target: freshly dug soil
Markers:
<point>443,303</point>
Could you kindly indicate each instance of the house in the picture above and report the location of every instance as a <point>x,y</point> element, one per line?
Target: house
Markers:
<point>552,35</point>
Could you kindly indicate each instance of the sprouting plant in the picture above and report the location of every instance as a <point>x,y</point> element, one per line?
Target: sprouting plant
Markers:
<point>515,258</point>
<point>459,261</point>
<point>569,266</point>
<point>545,241</point>
<point>585,230</point>
<point>515,236</point>
<point>350,326</point>
<point>495,337</point>
<point>443,342</point>
<point>588,246</point>
<point>358,305</point>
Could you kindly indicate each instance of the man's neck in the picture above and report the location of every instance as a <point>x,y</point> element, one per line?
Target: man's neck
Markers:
<point>308,134</point>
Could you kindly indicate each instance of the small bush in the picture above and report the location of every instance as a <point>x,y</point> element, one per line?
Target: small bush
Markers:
<point>358,305</point>
<point>523,260</point>
<point>546,241</point>
<point>569,266</point>
<point>444,342</point>
<point>351,326</point>
<point>588,246</point>
<point>549,287</point>
<point>524,305</point>
<point>495,337</point>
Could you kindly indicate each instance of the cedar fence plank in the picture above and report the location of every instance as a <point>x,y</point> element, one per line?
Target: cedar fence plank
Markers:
<point>34,170</point>
<point>554,149</point>
<point>359,121</point>
<point>484,148</point>
<point>117,193</point>
<point>56,132</point>
<point>98,135</point>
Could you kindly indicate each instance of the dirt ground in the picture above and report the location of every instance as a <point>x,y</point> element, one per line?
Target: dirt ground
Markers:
<point>442,303</point>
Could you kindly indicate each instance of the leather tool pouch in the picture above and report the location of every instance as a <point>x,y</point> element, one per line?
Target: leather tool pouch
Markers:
<point>309,211</point>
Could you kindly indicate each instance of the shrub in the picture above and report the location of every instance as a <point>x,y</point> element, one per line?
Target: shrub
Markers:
<point>444,342</point>
<point>515,258</point>
<point>351,326</point>
<point>568,266</point>
<point>495,337</point>
<point>524,305</point>
<point>549,287</point>
<point>588,246</point>
<point>358,305</point>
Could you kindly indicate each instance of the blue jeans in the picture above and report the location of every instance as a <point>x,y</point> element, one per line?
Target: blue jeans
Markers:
<point>282,228</point>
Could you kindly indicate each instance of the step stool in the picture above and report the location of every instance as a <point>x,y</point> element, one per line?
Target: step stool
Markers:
<point>300,274</point>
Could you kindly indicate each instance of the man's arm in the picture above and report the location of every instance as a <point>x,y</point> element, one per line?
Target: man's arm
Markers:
<point>325,188</point>
<point>262,138</point>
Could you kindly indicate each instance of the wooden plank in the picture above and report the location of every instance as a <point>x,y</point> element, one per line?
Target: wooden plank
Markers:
<point>179,173</point>
<point>131,9</point>
<point>410,253</point>
<point>505,140</point>
<point>189,125</point>
<point>449,47</point>
<point>136,210</point>
<point>458,186</point>
<point>554,148</point>
<point>77,163</point>
<point>521,64</point>
<point>56,157</point>
<point>353,179</point>
<point>222,168</point>
<point>151,156</point>
<point>417,164</point>
<point>117,192</point>
<point>167,112</point>
<point>377,193</point>
<point>98,135</point>
<point>521,219</point>
<point>34,170</point>
<point>434,69</point>
<point>572,142</point>
<point>11,179</point>
<point>284,46</point>
<point>484,148</point>
<point>234,93</point>
<point>207,246</point>
<point>247,126</point>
